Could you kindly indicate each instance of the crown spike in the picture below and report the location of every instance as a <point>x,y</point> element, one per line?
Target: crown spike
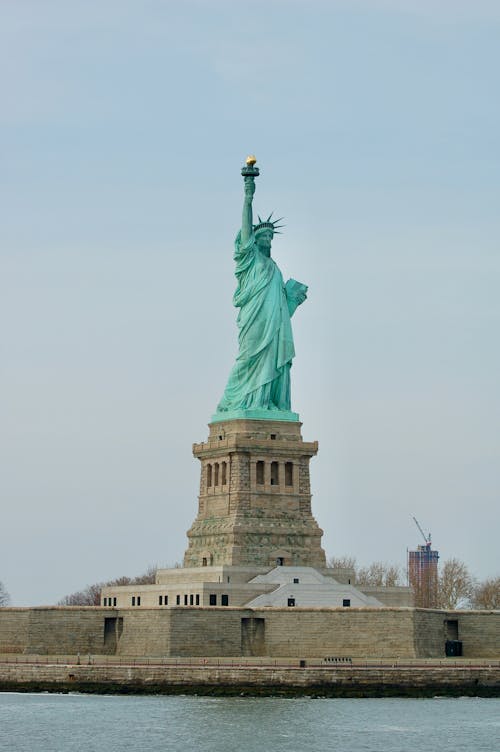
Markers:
<point>268,224</point>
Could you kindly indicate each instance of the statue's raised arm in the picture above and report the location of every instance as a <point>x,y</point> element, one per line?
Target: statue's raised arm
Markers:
<point>249,172</point>
<point>259,383</point>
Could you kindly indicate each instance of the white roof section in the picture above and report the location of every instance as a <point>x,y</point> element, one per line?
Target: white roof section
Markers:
<point>306,587</point>
<point>282,575</point>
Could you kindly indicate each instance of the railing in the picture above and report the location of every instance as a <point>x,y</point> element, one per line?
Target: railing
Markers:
<point>329,662</point>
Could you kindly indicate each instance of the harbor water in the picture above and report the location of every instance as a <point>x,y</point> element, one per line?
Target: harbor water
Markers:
<point>67,723</point>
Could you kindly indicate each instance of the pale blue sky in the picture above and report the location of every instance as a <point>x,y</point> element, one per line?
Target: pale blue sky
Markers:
<point>123,128</point>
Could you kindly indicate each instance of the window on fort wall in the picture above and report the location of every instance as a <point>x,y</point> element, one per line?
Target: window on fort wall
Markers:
<point>259,468</point>
<point>185,599</point>
<point>114,601</point>
<point>160,600</point>
<point>224,600</point>
<point>274,474</point>
<point>178,600</point>
<point>223,473</point>
<point>138,600</point>
<point>209,476</point>
<point>165,600</point>
<point>346,602</point>
<point>212,599</point>
<point>288,473</point>
<point>133,600</point>
<point>197,599</point>
<point>191,599</point>
<point>216,474</point>
<point>105,603</point>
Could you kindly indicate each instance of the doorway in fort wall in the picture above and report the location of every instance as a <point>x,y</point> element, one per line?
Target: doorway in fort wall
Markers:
<point>113,628</point>
<point>253,636</point>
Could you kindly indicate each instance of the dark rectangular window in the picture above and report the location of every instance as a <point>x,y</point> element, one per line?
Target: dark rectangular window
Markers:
<point>223,471</point>
<point>105,602</point>
<point>216,474</point>
<point>291,601</point>
<point>288,473</point>
<point>165,600</point>
<point>212,599</point>
<point>114,601</point>
<point>138,600</point>
<point>260,472</point>
<point>274,474</point>
<point>346,602</point>
<point>133,600</point>
<point>191,599</point>
<point>178,600</point>
<point>160,600</point>
<point>224,600</point>
<point>295,580</point>
<point>197,599</point>
<point>209,476</point>
<point>185,599</point>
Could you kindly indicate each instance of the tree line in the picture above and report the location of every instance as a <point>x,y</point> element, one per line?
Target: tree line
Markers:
<point>91,594</point>
<point>4,596</point>
<point>454,587</point>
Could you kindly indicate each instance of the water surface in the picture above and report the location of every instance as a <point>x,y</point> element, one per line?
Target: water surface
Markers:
<point>90,723</point>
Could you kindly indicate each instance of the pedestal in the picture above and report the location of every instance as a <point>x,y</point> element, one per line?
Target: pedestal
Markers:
<point>255,497</point>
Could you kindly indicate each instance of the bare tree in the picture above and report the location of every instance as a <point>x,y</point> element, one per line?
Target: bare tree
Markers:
<point>341,562</point>
<point>455,585</point>
<point>4,596</point>
<point>380,574</point>
<point>487,594</point>
<point>91,595</point>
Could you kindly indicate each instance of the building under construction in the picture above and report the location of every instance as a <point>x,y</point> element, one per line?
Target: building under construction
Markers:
<point>423,573</point>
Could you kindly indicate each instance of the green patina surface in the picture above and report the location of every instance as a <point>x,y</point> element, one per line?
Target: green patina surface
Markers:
<point>255,414</point>
<point>259,383</point>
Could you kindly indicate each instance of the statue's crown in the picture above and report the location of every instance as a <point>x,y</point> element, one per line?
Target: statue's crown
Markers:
<point>268,224</point>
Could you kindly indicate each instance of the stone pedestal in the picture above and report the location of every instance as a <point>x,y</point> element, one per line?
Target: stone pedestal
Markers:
<point>255,498</point>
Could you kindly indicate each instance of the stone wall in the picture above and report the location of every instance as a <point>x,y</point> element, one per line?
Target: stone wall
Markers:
<point>14,629</point>
<point>376,681</point>
<point>274,632</point>
<point>67,629</point>
<point>338,632</point>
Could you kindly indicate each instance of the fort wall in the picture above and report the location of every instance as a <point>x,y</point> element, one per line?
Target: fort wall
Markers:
<point>273,632</point>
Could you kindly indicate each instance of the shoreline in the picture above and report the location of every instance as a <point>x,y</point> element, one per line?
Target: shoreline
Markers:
<point>258,680</point>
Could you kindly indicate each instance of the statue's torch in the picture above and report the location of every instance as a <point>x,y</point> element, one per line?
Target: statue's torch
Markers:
<point>249,170</point>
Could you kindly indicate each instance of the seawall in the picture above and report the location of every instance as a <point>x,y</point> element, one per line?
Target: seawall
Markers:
<point>293,679</point>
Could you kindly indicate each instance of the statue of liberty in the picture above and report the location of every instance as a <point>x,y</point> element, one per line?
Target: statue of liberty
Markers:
<point>259,382</point>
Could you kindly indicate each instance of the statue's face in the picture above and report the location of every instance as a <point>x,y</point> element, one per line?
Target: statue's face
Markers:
<point>264,240</point>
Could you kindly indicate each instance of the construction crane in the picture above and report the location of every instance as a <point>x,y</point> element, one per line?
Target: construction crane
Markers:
<point>427,538</point>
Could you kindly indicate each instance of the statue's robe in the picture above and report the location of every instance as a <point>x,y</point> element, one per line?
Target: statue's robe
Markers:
<point>260,377</point>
